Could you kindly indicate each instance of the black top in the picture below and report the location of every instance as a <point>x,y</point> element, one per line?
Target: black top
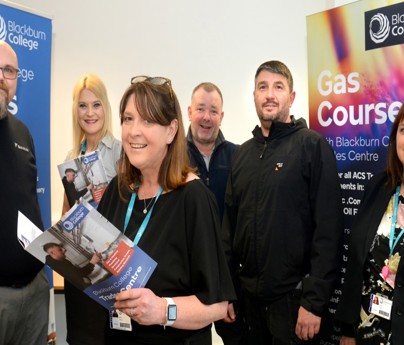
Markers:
<point>363,234</point>
<point>183,238</point>
<point>18,193</point>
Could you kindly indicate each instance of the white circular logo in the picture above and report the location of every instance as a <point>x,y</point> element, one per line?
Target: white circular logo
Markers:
<point>3,29</point>
<point>381,23</point>
<point>68,225</point>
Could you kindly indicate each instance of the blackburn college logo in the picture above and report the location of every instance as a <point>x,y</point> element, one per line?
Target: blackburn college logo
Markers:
<point>384,26</point>
<point>21,34</point>
<point>68,225</point>
<point>379,28</point>
<point>3,29</point>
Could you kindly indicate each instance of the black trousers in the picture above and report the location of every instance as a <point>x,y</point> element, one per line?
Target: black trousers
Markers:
<point>274,324</point>
<point>231,333</point>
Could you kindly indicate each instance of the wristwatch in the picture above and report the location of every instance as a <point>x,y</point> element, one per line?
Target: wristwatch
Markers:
<point>171,312</point>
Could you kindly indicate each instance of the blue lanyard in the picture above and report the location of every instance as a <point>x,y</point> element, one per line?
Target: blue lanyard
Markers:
<point>143,226</point>
<point>393,242</point>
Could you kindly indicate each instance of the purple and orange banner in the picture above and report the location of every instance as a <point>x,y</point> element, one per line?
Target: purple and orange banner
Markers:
<point>356,87</point>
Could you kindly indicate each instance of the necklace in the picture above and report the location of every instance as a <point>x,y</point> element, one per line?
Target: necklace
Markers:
<point>143,226</point>
<point>148,205</point>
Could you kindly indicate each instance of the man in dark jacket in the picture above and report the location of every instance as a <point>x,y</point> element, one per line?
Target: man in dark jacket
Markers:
<point>283,218</point>
<point>211,154</point>
<point>24,287</point>
<point>70,188</point>
<point>78,276</point>
<point>208,150</point>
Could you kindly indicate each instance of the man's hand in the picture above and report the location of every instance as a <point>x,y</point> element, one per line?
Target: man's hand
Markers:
<point>96,258</point>
<point>307,325</point>
<point>347,341</point>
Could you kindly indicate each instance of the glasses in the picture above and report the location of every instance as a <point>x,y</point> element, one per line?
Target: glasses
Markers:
<point>9,72</point>
<point>161,81</point>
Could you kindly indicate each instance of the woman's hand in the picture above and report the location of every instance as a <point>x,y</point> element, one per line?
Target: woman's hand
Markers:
<point>142,305</point>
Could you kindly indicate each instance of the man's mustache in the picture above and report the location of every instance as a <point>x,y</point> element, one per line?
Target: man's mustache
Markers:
<point>3,86</point>
<point>270,103</point>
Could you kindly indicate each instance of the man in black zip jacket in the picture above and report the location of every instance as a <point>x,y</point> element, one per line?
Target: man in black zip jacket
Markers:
<point>211,154</point>
<point>283,219</point>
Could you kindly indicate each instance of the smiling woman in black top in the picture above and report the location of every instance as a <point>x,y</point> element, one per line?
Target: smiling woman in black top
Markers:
<point>159,202</point>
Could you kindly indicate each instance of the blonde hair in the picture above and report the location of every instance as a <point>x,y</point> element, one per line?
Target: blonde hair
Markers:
<point>94,84</point>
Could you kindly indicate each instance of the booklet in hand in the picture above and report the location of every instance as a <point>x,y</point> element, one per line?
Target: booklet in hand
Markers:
<point>84,177</point>
<point>87,250</point>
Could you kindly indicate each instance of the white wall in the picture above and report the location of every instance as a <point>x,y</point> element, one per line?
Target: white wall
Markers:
<point>187,41</point>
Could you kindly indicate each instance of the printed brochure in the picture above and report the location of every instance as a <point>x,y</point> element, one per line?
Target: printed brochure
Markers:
<point>86,249</point>
<point>84,177</point>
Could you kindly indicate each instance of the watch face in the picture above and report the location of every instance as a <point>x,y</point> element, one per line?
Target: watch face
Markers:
<point>172,313</point>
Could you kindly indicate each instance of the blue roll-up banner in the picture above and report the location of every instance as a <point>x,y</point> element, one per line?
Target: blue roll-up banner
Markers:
<point>30,35</point>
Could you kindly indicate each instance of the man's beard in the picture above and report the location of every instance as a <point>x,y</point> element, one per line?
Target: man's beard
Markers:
<point>3,108</point>
<point>207,140</point>
<point>277,117</point>
<point>3,99</point>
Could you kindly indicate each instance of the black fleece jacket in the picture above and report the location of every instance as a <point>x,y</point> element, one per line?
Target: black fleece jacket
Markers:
<point>283,215</point>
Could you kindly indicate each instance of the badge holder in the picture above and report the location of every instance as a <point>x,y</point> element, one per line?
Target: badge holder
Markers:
<point>119,321</point>
<point>380,305</point>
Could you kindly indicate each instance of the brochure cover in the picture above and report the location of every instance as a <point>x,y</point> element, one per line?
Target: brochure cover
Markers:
<point>88,251</point>
<point>84,177</point>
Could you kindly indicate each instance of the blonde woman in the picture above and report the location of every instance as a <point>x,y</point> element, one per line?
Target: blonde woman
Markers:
<point>92,126</point>
<point>92,130</point>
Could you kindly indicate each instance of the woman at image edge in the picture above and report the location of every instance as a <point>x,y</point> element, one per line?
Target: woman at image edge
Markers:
<point>92,130</point>
<point>375,271</point>
<point>182,234</point>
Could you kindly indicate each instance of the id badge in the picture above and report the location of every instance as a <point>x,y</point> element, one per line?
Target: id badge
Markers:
<point>380,306</point>
<point>119,321</point>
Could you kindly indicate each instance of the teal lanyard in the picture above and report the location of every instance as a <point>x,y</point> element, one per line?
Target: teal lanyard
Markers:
<point>143,226</point>
<point>83,147</point>
<point>393,242</point>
